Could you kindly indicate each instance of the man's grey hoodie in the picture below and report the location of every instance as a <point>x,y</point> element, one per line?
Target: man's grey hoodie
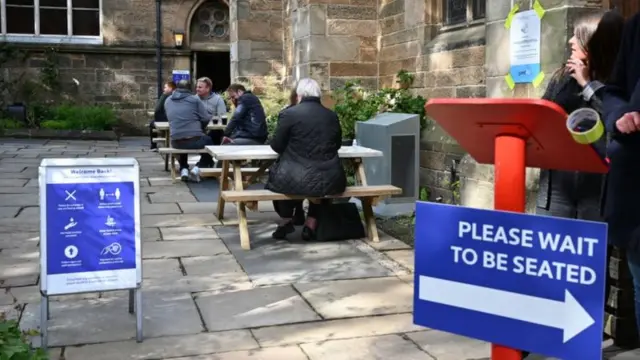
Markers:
<point>187,115</point>
<point>215,105</point>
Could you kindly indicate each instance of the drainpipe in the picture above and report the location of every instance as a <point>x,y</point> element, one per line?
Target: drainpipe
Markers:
<point>159,46</point>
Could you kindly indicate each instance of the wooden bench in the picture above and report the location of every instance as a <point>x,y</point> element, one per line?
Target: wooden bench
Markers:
<point>171,153</point>
<point>369,195</point>
<point>158,140</point>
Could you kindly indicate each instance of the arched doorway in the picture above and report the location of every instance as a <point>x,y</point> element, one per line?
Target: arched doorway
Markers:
<point>209,41</point>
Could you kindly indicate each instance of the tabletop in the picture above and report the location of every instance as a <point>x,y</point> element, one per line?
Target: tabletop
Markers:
<point>264,152</point>
<point>164,126</point>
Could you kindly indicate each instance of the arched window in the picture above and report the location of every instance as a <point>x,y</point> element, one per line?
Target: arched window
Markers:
<point>210,23</point>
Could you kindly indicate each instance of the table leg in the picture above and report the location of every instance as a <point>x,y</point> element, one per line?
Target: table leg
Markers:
<point>173,168</point>
<point>224,185</point>
<point>243,227</point>
<point>167,143</point>
<point>367,208</point>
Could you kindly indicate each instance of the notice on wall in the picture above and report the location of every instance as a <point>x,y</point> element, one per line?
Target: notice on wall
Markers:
<point>525,46</point>
<point>177,75</point>
<point>90,225</point>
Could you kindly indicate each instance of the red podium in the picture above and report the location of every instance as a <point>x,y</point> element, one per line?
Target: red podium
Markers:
<point>513,134</point>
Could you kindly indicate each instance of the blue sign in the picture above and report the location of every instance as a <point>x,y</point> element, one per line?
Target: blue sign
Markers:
<point>178,75</point>
<point>90,227</point>
<point>528,282</point>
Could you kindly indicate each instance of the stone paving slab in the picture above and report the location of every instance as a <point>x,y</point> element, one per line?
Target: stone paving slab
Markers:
<point>281,262</point>
<point>359,297</point>
<point>446,346</point>
<point>403,257</point>
<point>175,249</point>
<point>335,329</point>
<point>189,233</point>
<point>160,209</point>
<point>279,353</point>
<point>108,319</point>
<point>378,347</point>
<point>254,308</point>
<point>177,220</point>
<point>161,268</point>
<point>165,348</point>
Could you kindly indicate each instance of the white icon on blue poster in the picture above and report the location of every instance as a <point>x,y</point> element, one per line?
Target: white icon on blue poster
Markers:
<point>112,249</point>
<point>109,196</point>
<point>71,252</point>
<point>70,195</point>
<point>71,224</point>
<point>110,222</point>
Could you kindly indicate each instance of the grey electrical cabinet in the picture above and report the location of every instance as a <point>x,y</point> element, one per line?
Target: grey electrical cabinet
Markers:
<point>398,137</point>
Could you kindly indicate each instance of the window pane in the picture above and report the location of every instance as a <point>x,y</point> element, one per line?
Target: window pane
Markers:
<point>20,2</point>
<point>86,22</point>
<point>53,22</point>
<point>456,11</point>
<point>479,9</point>
<point>55,3</point>
<point>20,20</point>
<point>90,4</point>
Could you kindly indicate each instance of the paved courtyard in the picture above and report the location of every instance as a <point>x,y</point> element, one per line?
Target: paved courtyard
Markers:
<point>204,297</point>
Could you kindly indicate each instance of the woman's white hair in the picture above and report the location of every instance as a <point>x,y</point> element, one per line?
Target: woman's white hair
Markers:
<point>308,88</point>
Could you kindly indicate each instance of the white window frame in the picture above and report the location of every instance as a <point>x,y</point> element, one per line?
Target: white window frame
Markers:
<point>50,39</point>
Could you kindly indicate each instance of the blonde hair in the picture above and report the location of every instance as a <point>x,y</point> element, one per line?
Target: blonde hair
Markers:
<point>207,81</point>
<point>585,28</point>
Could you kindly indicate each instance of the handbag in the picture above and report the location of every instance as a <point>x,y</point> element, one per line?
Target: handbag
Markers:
<point>338,221</point>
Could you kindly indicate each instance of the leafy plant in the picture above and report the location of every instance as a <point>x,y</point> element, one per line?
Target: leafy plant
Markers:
<point>422,196</point>
<point>49,73</point>
<point>70,117</point>
<point>14,344</point>
<point>10,124</point>
<point>405,79</point>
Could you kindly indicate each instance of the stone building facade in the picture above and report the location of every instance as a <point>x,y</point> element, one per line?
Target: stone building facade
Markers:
<point>455,48</point>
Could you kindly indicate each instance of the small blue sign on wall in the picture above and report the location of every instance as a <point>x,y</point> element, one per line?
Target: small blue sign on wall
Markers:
<point>528,282</point>
<point>178,75</point>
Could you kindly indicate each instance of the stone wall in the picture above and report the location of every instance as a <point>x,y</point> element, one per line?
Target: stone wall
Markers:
<point>334,41</point>
<point>256,40</point>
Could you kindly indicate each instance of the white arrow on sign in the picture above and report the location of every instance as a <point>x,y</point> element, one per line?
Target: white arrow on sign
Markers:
<point>568,315</point>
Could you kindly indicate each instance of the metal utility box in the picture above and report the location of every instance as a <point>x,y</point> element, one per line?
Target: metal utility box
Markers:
<point>398,137</point>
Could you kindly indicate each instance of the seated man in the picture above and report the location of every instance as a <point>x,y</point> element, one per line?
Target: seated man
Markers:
<point>248,125</point>
<point>187,116</point>
<point>214,103</point>
<point>159,115</point>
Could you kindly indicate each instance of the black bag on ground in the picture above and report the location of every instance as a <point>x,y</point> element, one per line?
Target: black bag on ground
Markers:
<point>338,221</point>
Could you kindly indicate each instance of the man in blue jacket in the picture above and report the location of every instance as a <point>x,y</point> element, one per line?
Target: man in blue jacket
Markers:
<point>248,124</point>
<point>621,101</point>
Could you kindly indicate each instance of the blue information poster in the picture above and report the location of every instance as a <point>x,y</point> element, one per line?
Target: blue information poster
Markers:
<point>178,75</point>
<point>91,228</point>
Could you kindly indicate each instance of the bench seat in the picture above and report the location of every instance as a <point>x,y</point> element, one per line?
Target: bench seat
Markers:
<point>351,191</point>
<point>158,140</point>
<point>181,151</point>
<point>368,195</point>
<point>217,172</point>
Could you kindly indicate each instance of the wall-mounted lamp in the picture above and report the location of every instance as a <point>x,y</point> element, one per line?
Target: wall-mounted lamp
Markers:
<point>178,38</point>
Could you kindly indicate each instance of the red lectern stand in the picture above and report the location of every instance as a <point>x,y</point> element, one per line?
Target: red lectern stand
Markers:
<point>513,134</point>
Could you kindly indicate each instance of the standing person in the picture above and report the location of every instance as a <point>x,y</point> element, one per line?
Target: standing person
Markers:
<point>622,120</point>
<point>187,116</point>
<point>248,124</point>
<point>159,114</point>
<point>214,103</point>
<point>580,84</point>
<point>307,139</point>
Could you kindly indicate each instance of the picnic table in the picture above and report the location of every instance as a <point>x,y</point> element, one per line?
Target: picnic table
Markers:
<point>163,130</point>
<point>235,155</point>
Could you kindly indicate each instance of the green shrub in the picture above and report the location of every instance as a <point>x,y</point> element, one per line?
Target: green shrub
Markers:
<point>355,104</point>
<point>7,123</point>
<point>69,117</point>
<point>14,344</point>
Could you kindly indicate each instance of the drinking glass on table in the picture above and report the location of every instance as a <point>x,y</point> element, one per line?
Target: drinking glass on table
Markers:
<point>215,120</point>
<point>224,119</point>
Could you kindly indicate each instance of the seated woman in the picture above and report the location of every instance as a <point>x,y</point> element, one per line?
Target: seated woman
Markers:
<point>307,138</point>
